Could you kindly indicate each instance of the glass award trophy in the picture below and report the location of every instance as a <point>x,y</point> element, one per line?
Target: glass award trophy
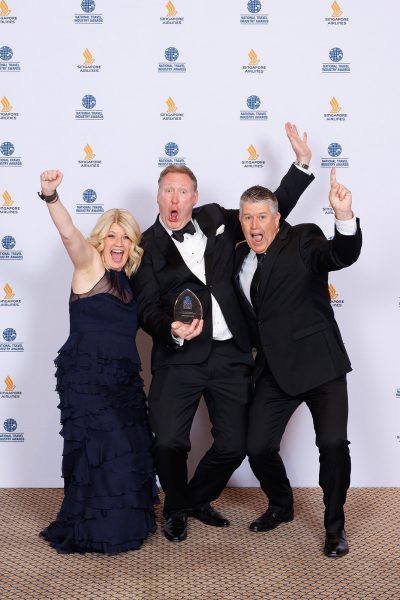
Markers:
<point>187,307</point>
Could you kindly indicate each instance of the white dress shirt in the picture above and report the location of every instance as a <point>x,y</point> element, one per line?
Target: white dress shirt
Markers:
<point>192,251</point>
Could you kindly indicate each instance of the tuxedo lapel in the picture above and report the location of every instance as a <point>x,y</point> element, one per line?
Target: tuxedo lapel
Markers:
<point>166,246</point>
<point>242,250</point>
<point>170,252</point>
<point>271,255</point>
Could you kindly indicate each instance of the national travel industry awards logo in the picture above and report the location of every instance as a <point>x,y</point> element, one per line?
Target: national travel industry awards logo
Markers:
<point>253,161</point>
<point>172,113</point>
<point>9,298</point>
<point>6,112</point>
<point>336,113</point>
<point>171,156</point>
<point>171,17</point>
<point>8,251</point>
<point>89,64</point>
<point>336,65</point>
<point>10,391</point>
<point>253,65</point>
<point>334,158</point>
<point>10,344</point>
<point>88,161</point>
<point>88,16</point>
<point>254,16</point>
<point>253,114</point>
<point>7,158</point>
<point>6,63</point>
<point>89,204</point>
<point>8,206</point>
<point>171,63</point>
<point>336,17</point>
<point>6,18</point>
<point>10,426</point>
<point>89,103</point>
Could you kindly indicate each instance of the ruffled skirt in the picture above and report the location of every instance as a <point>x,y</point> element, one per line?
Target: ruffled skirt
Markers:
<point>108,470</point>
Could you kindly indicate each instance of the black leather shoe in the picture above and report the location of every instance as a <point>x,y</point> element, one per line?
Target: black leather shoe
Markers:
<point>336,544</point>
<point>269,520</point>
<point>175,528</point>
<point>208,515</point>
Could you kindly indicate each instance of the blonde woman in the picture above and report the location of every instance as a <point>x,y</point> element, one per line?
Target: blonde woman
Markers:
<point>109,480</point>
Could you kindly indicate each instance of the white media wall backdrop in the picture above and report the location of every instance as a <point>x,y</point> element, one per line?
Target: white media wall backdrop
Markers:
<point>110,93</point>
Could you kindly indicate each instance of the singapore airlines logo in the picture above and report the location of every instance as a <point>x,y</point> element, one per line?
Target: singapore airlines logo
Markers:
<point>89,154</point>
<point>10,390</point>
<point>335,300</point>
<point>172,113</point>
<point>253,66</point>
<point>89,161</point>
<point>8,205</point>
<point>171,17</point>
<point>88,65</point>
<point>10,387</point>
<point>252,152</point>
<point>171,106</point>
<point>335,106</point>
<point>332,292</point>
<point>337,11</point>
<point>9,298</point>
<point>6,113</point>
<point>253,159</point>
<point>172,12</point>
<point>336,19</point>
<point>7,200</point>
<point>254,60</point>
<point>335,114</point>
<point>4,10</point>
<point>9,294</point>
<point>88,56</point>
<point>6,106</point>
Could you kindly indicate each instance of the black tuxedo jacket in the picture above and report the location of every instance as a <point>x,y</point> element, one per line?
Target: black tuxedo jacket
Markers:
<point>163,274</point>
<point>295,330</point>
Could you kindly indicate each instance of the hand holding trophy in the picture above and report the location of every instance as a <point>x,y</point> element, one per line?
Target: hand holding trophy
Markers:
<point>188,316</point>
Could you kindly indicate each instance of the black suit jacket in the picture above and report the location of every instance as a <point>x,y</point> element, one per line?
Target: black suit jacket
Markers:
<point>295,329</point>
<point>163,275</point>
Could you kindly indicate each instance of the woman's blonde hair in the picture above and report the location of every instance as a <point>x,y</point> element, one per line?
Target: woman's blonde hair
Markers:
<point>124,219</point>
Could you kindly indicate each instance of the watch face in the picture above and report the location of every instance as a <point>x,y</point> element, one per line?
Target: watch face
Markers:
<point>302,165</point>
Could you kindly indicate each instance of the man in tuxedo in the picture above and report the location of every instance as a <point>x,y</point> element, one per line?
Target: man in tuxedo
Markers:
<point>194,249</point>
<point>281,274</point>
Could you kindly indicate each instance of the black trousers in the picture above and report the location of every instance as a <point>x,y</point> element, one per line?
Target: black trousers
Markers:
<point>269,414</point>
<point>175,392</point>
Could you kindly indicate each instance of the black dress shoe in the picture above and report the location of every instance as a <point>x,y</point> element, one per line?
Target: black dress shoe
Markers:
<point>336,544</point>
<point>175,528</point>
<point>208,515</point>
<point>270,519</point>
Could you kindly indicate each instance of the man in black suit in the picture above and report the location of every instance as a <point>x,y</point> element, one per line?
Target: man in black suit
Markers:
<point>281,275</point>
<point>210,357</point>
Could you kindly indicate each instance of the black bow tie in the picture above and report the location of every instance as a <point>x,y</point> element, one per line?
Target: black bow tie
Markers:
<point>189,228</point>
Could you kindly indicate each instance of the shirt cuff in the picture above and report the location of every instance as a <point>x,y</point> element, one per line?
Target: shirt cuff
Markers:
<point>348,227</point>
<point>178,340</point>
<point>306,171</point>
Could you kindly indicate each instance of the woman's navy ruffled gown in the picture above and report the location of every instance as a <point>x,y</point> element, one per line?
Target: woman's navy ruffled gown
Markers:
<point>108,470</point>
